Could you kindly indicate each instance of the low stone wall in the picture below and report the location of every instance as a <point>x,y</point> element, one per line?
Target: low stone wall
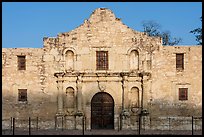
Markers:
<point>72,123</point>
<point>38,123</point>
<point>171,123</point>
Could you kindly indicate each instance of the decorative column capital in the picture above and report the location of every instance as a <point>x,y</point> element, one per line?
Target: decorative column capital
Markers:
<point>59,74</point>
<point>60,81</point>
<point>79,78</point>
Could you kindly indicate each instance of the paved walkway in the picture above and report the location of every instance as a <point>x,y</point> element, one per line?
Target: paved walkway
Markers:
<point>101,132</point>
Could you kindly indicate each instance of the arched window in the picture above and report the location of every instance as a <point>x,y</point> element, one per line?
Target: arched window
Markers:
<point>134,97</point>
<point>69,58</point>
<point>134,60</point>
<point>70,98</point>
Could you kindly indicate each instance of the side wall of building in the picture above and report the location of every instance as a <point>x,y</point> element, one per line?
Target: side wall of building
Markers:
<point>40,102</point>
<point>166,81</point>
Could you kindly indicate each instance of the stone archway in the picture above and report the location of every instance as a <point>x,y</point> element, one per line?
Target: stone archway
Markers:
<point>102,111</point>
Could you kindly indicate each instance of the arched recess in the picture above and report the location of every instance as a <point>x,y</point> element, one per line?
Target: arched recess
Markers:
<point>134,60</point>
<point>70,98</point>
<point>69,60</point>
<point>134,97</point>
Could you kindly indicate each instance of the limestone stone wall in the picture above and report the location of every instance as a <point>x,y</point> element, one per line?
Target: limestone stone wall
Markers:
<point>62,75</point>
<point>98,33</point>
<point>166,80</point>
<point>39,102</point>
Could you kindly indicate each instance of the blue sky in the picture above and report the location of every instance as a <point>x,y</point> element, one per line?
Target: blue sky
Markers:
<point>24,24</point>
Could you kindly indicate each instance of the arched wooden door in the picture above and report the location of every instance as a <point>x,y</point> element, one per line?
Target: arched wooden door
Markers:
<point>102,111</point>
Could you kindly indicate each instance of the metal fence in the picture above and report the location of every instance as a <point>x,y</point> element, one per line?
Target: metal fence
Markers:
<point>33,125</point>
<point>172,123</point>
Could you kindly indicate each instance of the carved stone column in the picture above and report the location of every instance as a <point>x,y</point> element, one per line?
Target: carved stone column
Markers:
<point>60,114</point>
<point>145,91</point>
<point>141,75</point>
<point>60,94</point>
<point>79,113</point>
<point>125,114</point>
<point>145,76</point>
<point>140,97</point>
<point>79,94</point>
<point>125,87</point>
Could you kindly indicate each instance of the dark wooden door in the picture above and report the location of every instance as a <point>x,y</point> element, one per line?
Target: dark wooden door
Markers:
<point>102,111</point>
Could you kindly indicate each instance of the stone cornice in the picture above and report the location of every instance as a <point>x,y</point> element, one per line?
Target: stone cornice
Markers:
<point>101,74</point>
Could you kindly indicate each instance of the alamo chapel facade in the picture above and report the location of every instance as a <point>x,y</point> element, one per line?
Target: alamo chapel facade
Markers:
<point>103,71</point>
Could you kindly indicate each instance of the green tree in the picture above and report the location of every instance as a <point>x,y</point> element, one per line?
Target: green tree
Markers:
<point>153,29</point>
<point>198,34</point>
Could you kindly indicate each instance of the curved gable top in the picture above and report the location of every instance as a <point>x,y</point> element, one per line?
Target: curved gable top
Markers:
<point>102,14</point>
<point>104,28</point>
